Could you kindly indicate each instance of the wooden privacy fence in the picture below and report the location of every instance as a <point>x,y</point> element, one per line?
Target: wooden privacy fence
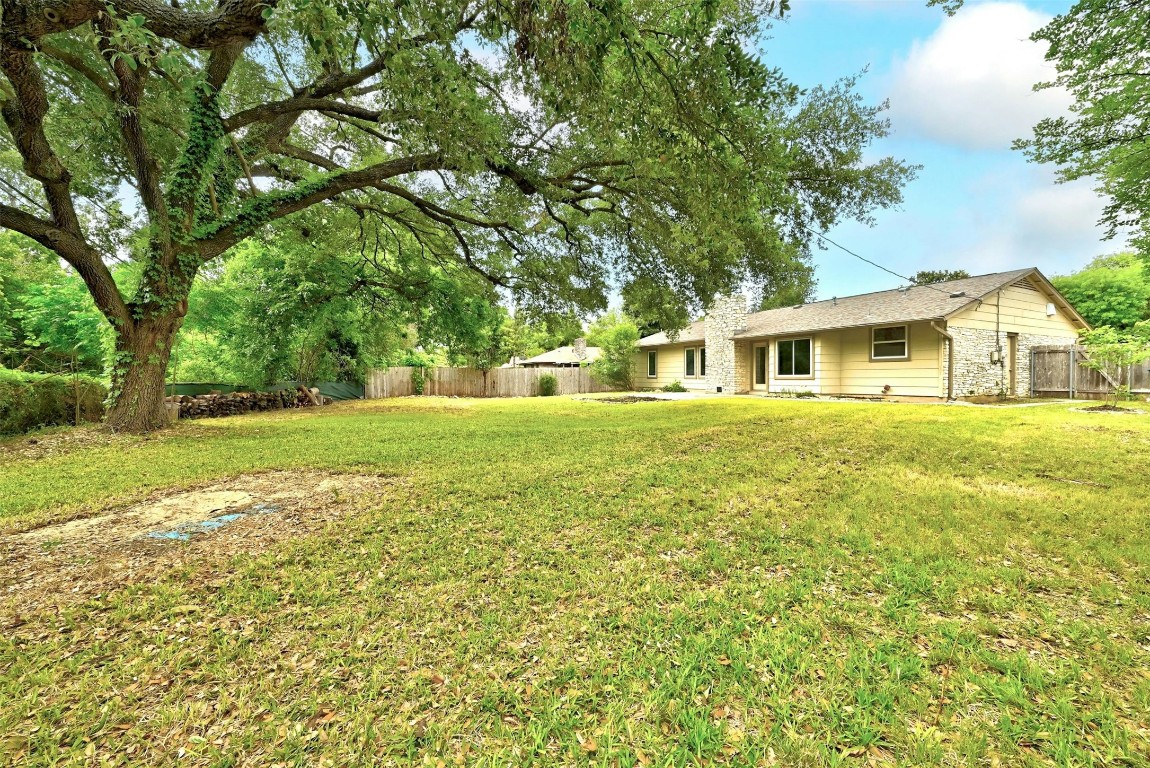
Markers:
<point>1061,371</point>
<point>472,382</point>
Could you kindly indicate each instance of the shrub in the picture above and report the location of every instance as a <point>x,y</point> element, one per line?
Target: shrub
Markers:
<point>548,385</point>
<point>674,386</point>
<point>617,337</point>
<point>31,400</point>
<point>418,380</point>
<point>1114,353</point>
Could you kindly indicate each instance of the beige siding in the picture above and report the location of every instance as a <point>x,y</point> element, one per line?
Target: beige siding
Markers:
<point>1016,309</point>
<point>842,365</point>
<point>669,366</point>
<point>824,368</point>
<point>919,376</point>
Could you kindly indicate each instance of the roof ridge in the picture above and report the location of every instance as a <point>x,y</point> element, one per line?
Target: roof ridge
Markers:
<point>933,286</point>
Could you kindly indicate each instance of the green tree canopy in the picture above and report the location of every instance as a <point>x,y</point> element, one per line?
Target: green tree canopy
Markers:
<point>616,335</point>
<point>47,319</point>
<point>931,276</point>
<point>552,149</point>
<point>1109,291</point>
<point>788,288</point>
<point>1099,49</point>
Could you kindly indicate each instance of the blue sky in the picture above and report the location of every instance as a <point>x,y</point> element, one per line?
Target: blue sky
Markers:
<point>959,90</point>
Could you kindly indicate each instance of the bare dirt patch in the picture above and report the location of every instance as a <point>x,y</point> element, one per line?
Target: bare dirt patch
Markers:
<point>1109,408</point>
<point>65,562</point>
<point>627,399</point>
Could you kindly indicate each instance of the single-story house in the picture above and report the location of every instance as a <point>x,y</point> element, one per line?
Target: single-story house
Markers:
<point>954,339</point>
<point>573,356</point>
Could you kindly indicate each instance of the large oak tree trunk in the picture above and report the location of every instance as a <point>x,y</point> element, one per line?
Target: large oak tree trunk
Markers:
<point>138,374</point>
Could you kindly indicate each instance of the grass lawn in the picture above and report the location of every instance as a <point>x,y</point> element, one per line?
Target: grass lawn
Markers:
<point>561,582</point>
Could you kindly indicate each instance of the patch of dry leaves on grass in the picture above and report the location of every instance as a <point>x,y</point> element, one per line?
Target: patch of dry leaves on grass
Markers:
<point>54,566</point>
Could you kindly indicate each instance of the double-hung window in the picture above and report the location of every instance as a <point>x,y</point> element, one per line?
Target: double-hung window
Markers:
<point>694,362</point>
<point>889,343</point>
<point>652,364</point>
<point>793,357</point>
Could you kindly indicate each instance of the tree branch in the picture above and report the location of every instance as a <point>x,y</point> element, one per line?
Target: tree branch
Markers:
<point>74,250</point>
<point>276,205</point>
<point>81,67</point>
<point>297,104</point>
<point>127,95</point>
<point>231,21</point>
<point>24,117</point>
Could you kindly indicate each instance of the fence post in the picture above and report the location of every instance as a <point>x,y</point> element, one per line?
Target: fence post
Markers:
<point>1032,358</point>
<point>1073,369</point>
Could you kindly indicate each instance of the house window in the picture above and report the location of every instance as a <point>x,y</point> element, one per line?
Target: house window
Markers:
<point>652,364</point>
<point>689,362</point>
<point>793,357</point>
<point>702,361</point>
<point>760,365</point>
<point>888,343</point>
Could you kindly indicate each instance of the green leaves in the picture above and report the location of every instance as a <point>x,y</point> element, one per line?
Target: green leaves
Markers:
<point>616,335</point>
<point>1111,290</point>
<point>1099,47</point>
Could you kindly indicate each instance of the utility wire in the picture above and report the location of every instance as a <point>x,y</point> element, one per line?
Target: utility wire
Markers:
<point>823,236</point>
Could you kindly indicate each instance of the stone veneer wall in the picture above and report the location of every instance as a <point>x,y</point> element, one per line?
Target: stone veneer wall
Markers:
<point>974,374</point>
<point>742,366</point>
<point>727,316</point>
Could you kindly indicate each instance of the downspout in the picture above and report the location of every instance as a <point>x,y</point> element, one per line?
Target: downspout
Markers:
<point>949,358</point>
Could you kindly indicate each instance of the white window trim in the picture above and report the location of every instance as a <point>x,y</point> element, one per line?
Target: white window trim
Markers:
<point>695,352</point>
<point>653,357</point>
<point>701,362</point>
<point>810,340</point>
<point>905,343</point>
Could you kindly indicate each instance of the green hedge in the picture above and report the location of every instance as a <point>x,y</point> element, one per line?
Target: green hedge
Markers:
<point>31,400</point>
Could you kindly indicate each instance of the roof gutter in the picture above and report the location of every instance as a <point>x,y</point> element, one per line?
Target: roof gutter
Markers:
<point>949,358</point>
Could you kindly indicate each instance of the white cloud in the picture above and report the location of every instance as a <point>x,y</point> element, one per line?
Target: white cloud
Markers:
<point>1051,226</point>
<point>970,83</point>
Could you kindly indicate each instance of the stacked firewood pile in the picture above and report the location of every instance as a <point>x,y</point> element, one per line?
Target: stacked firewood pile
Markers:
<point>232,403</point>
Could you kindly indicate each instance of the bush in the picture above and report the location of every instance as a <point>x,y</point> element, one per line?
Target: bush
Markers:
<point>418,380</point>
<point>674,386</point>
<point>31,400</point>
<point>548,385</point>
<point>617,337</point>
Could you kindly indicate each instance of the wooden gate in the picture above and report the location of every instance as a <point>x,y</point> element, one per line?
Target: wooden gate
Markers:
<point>1061,371</point>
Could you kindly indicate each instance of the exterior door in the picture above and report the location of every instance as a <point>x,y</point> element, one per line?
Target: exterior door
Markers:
<point>759,370</point>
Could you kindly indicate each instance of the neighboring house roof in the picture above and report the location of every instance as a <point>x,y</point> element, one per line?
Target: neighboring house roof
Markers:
<point>915,303</point>
<point>692,333</point>
<point>564,356</point>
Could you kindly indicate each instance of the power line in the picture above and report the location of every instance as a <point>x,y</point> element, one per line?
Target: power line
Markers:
<point>823,236</point>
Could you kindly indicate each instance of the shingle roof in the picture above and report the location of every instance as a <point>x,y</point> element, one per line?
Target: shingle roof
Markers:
<point>901,305</point>
<point>563,356</point>
<point>693,332</point>
<point>917,302</point>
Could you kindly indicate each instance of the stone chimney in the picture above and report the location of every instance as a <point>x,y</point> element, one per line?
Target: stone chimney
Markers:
<point>579,347</point>
<point>726,317</point>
